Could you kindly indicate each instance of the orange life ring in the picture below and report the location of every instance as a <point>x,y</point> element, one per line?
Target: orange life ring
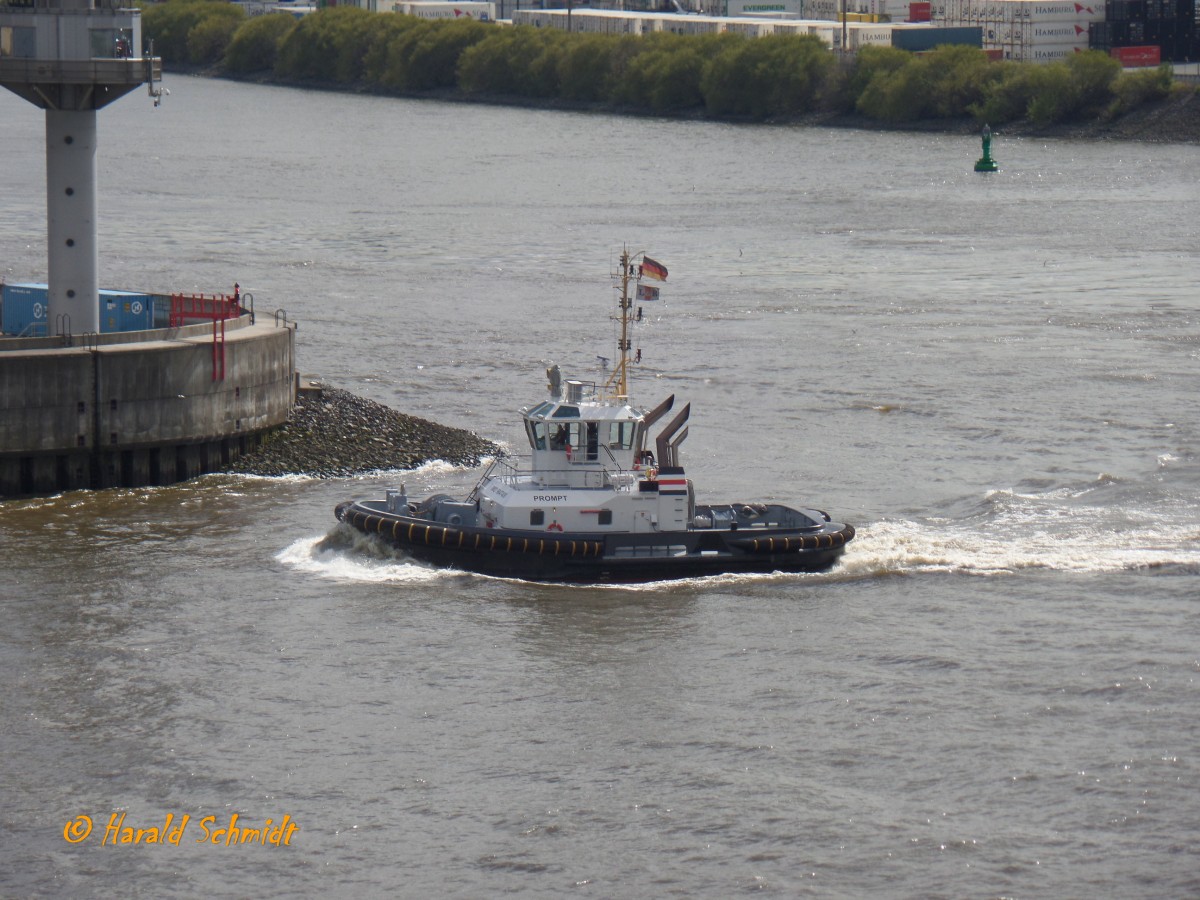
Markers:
<point>554,526</point>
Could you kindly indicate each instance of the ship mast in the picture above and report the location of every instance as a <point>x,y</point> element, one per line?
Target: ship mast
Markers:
<point>617,385</point>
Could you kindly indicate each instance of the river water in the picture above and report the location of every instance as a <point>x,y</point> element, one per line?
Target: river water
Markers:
<point>995,377</point>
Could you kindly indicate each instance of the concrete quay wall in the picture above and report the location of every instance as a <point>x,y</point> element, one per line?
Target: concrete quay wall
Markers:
<point>167,406</point>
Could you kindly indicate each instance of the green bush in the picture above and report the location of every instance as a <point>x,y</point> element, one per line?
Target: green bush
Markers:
<point>901,96</point>
<point>1050,96</point>
<point>352,38</point>
<point>209,38</point>
<point>769,76</point>
<point>542,75</point>
<point>328,45</point>
<point>872,62</point>
<point>1093,74</point>
<point>169,24</point>
<point>522,60</point>
<point>423,54</point>
<point>585,68</point>
<point>945,83</point>
<point>388,29</point>
<point>1080,87</point>
<point>1006,97</point>
<point>397,71</point>
<point>664,74</point>
<point>673,78</point>
<point>255,44</point>
<point>957,77</point>
<point>434,61</point>
<point>491,65</point>
<point>1134,89</point>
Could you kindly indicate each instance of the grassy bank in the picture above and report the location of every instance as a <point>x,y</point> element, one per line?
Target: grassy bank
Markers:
<point>726,76</point>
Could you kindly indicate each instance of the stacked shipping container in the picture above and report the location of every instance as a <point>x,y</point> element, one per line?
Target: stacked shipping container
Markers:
<point>858,34</point>
<point>1027,30</point>
<point>1049,30</point>
<point>1141,25</point>
<point>1024,30</point>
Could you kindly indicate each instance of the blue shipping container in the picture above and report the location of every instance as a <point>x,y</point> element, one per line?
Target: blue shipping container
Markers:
<point>920,39</point>
<point>24,310</point>
<point>125,311</point>
<point>25,307</point>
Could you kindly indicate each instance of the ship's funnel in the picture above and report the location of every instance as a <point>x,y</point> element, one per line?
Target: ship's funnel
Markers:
<point>667,444</point>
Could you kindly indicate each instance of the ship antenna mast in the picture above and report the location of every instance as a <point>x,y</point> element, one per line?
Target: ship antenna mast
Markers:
<point>617,385</point>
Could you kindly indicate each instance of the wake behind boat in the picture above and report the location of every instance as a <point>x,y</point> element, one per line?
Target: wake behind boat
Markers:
<point>595,503</point>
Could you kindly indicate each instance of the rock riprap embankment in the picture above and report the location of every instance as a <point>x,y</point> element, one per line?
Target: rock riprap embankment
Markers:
<point>332,433</point>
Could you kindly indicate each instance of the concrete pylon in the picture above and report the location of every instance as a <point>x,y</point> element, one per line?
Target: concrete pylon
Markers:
<point>72,58</point>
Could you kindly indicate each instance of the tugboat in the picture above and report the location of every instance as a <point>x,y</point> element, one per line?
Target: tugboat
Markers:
<point>595,502</point>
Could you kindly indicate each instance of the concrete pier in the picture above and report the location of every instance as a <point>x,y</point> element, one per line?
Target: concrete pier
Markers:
<point>139,408</point>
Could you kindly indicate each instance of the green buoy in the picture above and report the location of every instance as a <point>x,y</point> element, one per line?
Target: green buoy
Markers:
<point>985,163</point>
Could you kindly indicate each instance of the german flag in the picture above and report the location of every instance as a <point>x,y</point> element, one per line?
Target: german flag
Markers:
<point>652,269</point>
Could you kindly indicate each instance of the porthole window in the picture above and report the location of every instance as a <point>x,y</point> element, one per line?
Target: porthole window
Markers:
<point>537,517</point>
<point>605,517</point>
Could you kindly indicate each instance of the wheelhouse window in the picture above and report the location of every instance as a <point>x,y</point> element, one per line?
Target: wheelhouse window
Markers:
<point>621,435</point>
<point>537,434</point>
<point>560,437</point>
<point>583,438</point>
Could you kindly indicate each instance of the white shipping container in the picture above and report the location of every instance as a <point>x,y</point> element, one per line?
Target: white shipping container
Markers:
<point>605,21</point>
<point>862,35</point>
<point>683,24</point>
<point>1026,33</point>
<point>750,27</point>
<point>830,34</point>
<point>595,21</point>
<point>1045,53</point>
<point>824,10</point>
<point>975,11</point>
<point>897,10</point>
<point>1002,35</point>
<point>531,17</point>
<point>865,7</point>
<point>1057,32</point>
<point>793,8</point>
<point>430,9</point>
<point>1051,11</point>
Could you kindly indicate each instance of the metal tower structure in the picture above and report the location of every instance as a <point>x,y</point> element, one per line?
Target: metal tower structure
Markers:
<point>72,58</point>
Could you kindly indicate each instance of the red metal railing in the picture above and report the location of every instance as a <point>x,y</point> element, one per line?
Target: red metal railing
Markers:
<point>185,307</point>
<point>198,306</point>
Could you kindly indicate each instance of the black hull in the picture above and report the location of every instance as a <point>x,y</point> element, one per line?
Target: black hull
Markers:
<point>601,557</point>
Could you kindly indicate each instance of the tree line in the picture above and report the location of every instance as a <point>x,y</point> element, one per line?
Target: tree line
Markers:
<point>725,76</point>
